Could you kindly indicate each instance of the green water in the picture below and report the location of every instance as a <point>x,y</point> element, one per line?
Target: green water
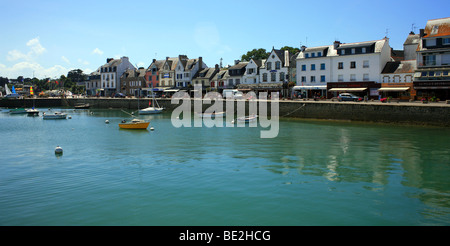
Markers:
<point>312,173</point>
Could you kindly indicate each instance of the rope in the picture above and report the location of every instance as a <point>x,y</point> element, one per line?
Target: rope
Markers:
<point>294,110</point>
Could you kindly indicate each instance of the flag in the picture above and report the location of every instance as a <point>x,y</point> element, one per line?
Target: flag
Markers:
<point>149,103</point>
<point>13,90</point>
<point>31,90</point>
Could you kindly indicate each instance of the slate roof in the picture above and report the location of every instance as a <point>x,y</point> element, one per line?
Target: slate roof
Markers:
<point>399,67</point>
<point>437,28</point>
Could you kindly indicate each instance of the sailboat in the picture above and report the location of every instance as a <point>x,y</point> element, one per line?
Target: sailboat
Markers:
<point>150,109</point>
<point>32,111</point>
<point>10,94</point>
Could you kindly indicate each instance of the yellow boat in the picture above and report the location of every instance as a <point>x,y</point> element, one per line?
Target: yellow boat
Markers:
<point>134,124</point>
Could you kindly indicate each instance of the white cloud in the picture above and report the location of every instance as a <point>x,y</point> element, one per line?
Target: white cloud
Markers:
<point>14,55</point>
<point>28,69</point>
<point>97,51</point>
<point>65,59</point>
<point>83,62</point>
<point>36,47</point>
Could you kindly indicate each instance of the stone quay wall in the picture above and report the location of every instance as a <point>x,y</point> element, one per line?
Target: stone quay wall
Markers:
<point>416,113</point>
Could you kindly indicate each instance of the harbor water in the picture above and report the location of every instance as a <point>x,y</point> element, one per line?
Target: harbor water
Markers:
<point>312,173</point>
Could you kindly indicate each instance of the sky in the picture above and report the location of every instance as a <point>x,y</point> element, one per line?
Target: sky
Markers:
<point>48,38</point>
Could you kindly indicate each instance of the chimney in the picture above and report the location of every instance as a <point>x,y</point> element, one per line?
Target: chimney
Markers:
<point>303,48</point>
<point>154,60</point>
<point>217,67</point>
<point>200,63</point>
<point>422,32</point>
<point>109,59</point>
<point>336,44</point>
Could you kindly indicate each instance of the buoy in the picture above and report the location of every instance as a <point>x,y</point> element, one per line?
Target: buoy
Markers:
<point>107,121</point>
<point>151,128</point>
<point>58,150</point>
<point>70,117</point>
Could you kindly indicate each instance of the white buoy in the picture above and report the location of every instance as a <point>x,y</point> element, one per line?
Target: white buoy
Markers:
<point>107,121</point>
<point>58,150</point>
<point>151,128</point>
<point>70,117</point>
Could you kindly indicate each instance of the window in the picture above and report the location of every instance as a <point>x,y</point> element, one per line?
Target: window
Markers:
<point>429,60</point>
<point>319,54</point>
<point>352,77</point>
<point>282,77</point>
<point>353,50</point>
<point>313,54</point>
<point>273,77</point>
<point>342,52</point>
<point>408,78</point>
<point>250,70</point>
<point>303,67</point>
<point>264,77</point>
<point>366,77</point>
<point>365,64</point>
<point>322,78</point>
<point>277,65</point>
<point>446,41</point>
<point>313,79</point>
<point>430,42</point>
<point>269,66</point>
<point>340,78</point>
<point>353,64</point>
<point>363,50</point>
<point>322,66</point>
<point>307,55</point>
<point>340,65</point>
<point>313,67</point>
<point>396,79</point>
<point>303,78</point>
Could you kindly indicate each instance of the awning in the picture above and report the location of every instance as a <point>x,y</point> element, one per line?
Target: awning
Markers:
<point>173,90</point>
<point>310,87</point>
<point>394,89</point>
<point>347,89</point>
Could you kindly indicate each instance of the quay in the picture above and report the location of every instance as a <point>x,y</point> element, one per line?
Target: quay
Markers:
<point>414,113</point>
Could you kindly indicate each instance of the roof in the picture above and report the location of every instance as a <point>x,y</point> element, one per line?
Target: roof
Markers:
<point>400,67</point>
<point>437,28</point>
<point>209,73</point>
<point>412,39</point>
<point>240,65</point>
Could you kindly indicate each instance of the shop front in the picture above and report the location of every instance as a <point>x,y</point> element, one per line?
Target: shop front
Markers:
<point>432,90</point>
<point>308,91</point>
<point>363,89</point>
<point>399,91</point>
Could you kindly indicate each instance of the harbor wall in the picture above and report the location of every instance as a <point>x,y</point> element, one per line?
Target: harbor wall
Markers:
<point>433,114</point>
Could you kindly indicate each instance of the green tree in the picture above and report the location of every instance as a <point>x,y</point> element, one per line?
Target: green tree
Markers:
<point>291,50</point>
<point>256,54</point>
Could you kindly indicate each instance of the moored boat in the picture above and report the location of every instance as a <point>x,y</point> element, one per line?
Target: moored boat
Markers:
<point>18,111</point>
<point>212,115</point>
<point>55,116</point>
<point>134,124</point>
<point>151,110</point>
<point>82,106</point>
<point>32,112</point>
<point>247,119</point>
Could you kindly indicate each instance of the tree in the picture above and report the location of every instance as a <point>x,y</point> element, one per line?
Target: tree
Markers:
<point>257,54</point>
<point>290,49</point>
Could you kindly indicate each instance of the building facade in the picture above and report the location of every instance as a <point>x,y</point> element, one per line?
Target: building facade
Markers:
<point>432,79</point>
<point>110,74</point>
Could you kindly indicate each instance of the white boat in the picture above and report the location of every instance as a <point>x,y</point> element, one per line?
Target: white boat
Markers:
<point>151,110</point>
<point>55,116</point>
<point>212,115</point>
<point>155,109</point>
<point>247,119</point>
<point>18,111</point>
<point>10,94</point>
<point>32,112</point>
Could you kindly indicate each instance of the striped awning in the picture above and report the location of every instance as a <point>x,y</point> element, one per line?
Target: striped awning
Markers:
<point>394,89</point>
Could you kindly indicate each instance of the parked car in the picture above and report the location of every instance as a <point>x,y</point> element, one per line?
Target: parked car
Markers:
<point>119,95</point>
<point>349,97</point>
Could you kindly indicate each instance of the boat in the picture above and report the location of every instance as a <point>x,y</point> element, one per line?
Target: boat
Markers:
<point>18,111</point>
<point>32,112</point>
<point>55,116</point>
<point>134,124</point>
<point>82,106</point>
<point>150,109</point>
<point>212,115</point>
<point>10,94</point>
<point>247,119</point>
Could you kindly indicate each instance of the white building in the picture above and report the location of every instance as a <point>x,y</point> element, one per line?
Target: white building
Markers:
<point>276,67</point>
<point>252,72</point>
<point>110,74</point>
<point>351,67</point>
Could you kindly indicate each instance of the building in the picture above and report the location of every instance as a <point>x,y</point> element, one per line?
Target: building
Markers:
<point>235,75</point>
<point>93,83</point>
<point>397,80</point>
<point>110,74</point>
<point>186,69</point>
<point>153,73</point>
<point>432,79</point>
<point>252,72</point>
<point>205,76</point>
<point>167,72</point>
<point>314,70</point>
<point>219,80</point>
<point>133,81</point>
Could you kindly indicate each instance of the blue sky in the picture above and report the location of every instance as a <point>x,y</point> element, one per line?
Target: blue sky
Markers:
<point>48,38</point>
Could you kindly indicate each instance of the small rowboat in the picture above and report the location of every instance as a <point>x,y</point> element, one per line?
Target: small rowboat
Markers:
<point>134,124</point>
